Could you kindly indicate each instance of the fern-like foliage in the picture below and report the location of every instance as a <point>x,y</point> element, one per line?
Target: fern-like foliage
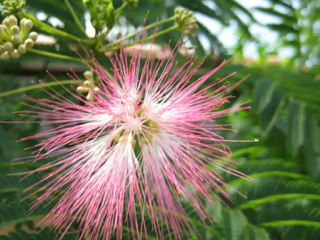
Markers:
<point>286,103</point>
<point>279,202</point>
<point>282,200</point>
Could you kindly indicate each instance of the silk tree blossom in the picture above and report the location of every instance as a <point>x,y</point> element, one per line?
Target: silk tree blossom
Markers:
<point>147,139</point>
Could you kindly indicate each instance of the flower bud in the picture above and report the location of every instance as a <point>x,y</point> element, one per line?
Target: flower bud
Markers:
<point>29,43</point>
<point>100,8</point>
<point>82,89</point>
<point>185,21</point>
<point>5,56</point>
<point>89,84</point>
<point>6,22</point>
<point>110,15</point>
<point>89,96</point>
<point>15,54</point>
<point>96,89</point>
<point>4,30</point>
<point>88,75</point>
<point>10,7</point>
<point>8,46</point>
<point>94,23</point>
<point>22,49</point>
<point>10,21</point>
<point>5,12</point>
<point>33,36</point>
<point>15,30</point>
<point>132,3</point>
<point>100,16</point>
<point>26,24</point>
<point>86,2</point>
<point>16,39</point>
<point>2,49</point>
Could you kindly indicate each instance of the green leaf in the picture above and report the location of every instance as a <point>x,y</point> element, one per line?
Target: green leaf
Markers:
<point>311,144</point>
<point>234,224</point>
<point>279,197</point>
<point>255,233</point>
<point>263,93</point>
<point>283,28</point>
<point>296,117</point>
<point>289,18</point>
<point>291,223</point>
<point>275,174</point>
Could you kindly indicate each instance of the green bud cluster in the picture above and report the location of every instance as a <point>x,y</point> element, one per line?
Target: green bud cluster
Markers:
<point>16,39</point>
<point>186,22</point>
<point>102,13</point>
<point>131,3</point>
<point>12,7</point>
<point>89,86</point>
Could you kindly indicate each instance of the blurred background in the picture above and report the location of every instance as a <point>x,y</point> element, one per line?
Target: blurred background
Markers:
<point>274,44</point>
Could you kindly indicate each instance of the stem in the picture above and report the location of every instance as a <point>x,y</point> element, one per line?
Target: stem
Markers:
<point>100,38</point>
<point>158,34</point>
<point>150,26</point>
<point>163,32</point>
<point>37,86</point>
<point>54,55</point>
<point>120,9</point>
<point>75,17</point>
<point>51,30</point>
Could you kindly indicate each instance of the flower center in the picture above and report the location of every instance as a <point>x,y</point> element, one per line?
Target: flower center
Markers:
<point>137,128</point>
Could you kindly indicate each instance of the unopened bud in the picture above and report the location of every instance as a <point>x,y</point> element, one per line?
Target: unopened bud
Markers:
<point>90,96</point>
<point>5,12</point>
<point>16,39</point>
<point>110,15</point>
<point>100,16</point>
<point>86,2</point>
<point>10,21</point>
<point>186,22</point>
<point>15,54</point>
<point>8,46</point>
<point>29,43</point>
<point>6,22</point>
<point>4,29</point>
<point>15,30</point>
<point>10,7</point>
<point>89,84</point>
<point>132,3</point>
<point>96,89</point>
<point>100,8</point>
<point>2,49</point>
<point>33,36</point>
<point>82,89</point>
<point>26,24</point>
<point>22,49</point>
<point>94,22</point>
<point>88,75</point>
<point>5,56</point>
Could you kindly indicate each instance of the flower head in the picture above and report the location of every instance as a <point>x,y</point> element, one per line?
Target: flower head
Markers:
<point>145,140</point>
<point>15,37</point>
<point>185,21</point>
<point>12,7</point>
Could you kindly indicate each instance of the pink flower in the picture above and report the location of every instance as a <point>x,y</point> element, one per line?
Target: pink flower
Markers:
<point>147,139</point>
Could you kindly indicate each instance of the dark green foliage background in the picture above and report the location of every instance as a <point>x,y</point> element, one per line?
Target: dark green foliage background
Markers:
<point>283,199</point>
